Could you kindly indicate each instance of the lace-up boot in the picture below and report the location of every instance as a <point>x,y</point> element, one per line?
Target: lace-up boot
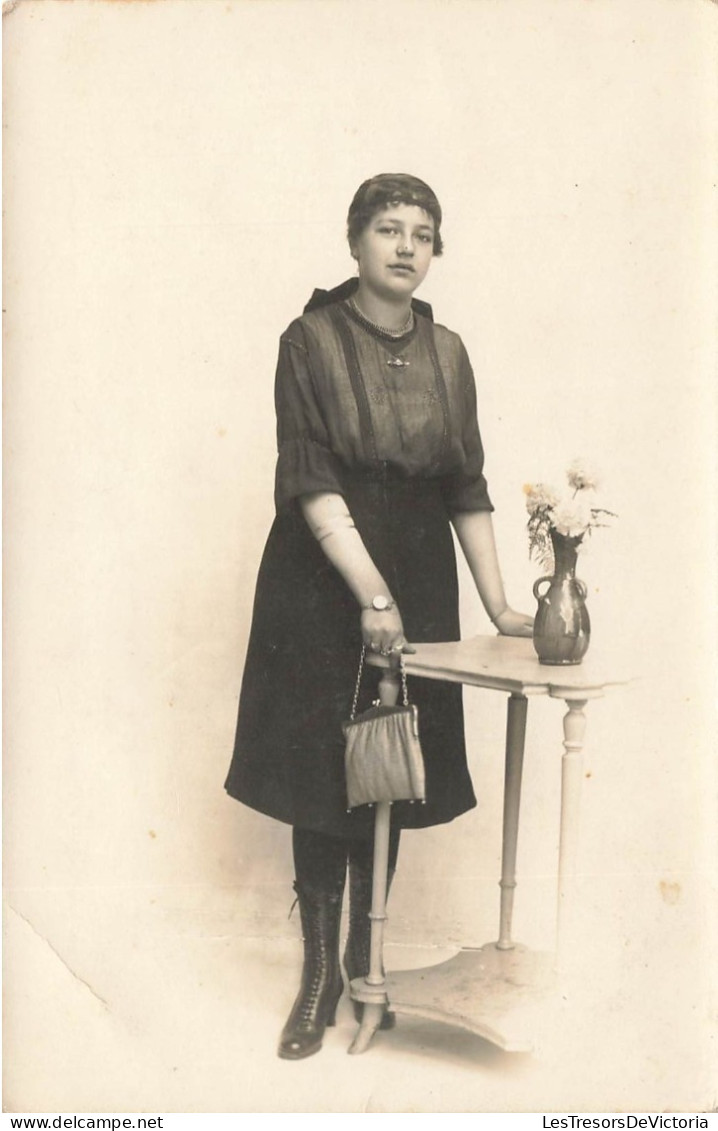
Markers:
<point>320,864</point>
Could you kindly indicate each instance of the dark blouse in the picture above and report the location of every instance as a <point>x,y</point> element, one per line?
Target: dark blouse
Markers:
<point>344,405</point>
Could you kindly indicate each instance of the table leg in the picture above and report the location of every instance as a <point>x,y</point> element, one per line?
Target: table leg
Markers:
<point>370,1022</point>
<point>574,728</point>
<point>515,740</point>
<point>374,982</point>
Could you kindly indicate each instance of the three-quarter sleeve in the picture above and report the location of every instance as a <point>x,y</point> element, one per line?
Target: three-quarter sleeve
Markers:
<point>305,461</point>
<point>466,488</point>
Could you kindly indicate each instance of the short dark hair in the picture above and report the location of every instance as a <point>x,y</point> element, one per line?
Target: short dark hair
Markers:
<point>392,188</point>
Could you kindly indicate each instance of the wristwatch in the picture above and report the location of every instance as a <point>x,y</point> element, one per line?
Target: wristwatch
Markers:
<point>381,604</point>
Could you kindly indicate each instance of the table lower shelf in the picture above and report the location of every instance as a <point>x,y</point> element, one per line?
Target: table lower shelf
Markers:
<point>497,994</point>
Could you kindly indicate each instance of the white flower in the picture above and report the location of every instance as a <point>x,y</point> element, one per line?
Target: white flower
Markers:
<point>539,496</point>
<point>581,477</point>
<point>571,517</point>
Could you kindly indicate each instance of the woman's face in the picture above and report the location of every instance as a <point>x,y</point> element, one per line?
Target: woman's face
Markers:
<point>395,250</point>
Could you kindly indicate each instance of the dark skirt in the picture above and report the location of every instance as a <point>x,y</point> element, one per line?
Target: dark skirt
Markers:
<point>303,656</point>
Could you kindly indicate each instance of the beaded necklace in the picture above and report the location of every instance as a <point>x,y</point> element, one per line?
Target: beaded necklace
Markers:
<point>383,329</point>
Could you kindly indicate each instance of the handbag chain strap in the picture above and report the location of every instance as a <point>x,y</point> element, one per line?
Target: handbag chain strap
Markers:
<point>404,689</point>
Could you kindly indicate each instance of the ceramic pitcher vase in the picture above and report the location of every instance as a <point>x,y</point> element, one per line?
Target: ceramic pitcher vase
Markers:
<point>562,629</point>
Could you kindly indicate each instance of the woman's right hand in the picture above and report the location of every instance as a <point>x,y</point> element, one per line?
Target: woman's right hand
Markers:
<point>383,632</point>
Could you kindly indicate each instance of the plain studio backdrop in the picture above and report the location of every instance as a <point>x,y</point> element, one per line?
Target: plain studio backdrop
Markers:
<point>177,176</point>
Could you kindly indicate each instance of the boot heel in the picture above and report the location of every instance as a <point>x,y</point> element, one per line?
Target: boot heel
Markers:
<point>332,1012</point>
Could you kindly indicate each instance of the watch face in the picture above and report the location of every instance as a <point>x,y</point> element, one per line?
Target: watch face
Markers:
<point>380,603</point>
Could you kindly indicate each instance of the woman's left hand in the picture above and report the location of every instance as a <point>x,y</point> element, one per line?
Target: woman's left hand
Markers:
<point>511,623</point>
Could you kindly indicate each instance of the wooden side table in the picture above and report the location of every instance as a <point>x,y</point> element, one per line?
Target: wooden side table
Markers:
<point>494,990</point>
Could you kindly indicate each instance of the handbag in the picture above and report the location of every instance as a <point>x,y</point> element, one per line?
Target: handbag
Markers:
<point>383,758</point>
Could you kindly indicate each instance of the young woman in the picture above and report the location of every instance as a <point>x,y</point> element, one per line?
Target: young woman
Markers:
<point>379,454</point>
